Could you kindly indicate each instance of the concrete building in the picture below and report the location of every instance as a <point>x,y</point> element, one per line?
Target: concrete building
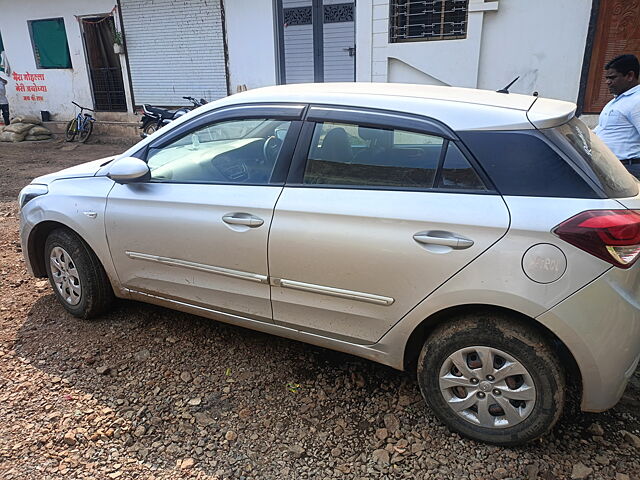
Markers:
<point>61,52</point>
<point>64,51</point>
<point>557,47</point>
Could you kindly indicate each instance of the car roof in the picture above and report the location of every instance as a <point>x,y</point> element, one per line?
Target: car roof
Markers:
<point>461,109</point>
<point>393,91</point>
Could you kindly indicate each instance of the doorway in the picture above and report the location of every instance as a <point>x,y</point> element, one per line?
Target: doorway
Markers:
<point>105,70</point>
<point>617,32</point>
<point>316,41</point>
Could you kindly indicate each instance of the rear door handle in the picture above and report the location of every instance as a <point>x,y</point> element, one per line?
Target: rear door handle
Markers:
<point>448,239</point>
<point>242,219</point>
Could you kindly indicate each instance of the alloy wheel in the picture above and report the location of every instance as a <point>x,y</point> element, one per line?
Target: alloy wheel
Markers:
<point>65,275</point>
<point>487,387</point>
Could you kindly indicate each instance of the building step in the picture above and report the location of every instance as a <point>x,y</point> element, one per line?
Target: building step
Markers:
<point>105,131</point>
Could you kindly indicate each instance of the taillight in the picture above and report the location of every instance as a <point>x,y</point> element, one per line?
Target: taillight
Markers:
<point>612,235</point>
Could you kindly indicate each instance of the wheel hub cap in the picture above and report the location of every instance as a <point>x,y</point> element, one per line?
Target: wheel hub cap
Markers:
<point>65,275</point>
<point>484,386</point>
<point>487,387</point>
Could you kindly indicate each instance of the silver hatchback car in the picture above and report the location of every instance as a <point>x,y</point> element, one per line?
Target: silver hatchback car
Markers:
<point>486,240</point>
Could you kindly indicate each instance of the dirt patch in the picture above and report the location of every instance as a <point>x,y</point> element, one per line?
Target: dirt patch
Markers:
<point>22,162</point>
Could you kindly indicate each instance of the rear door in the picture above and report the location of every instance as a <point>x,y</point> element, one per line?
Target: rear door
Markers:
<point>378,211</point>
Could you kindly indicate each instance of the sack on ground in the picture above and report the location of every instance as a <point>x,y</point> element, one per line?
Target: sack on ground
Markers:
<point>39,130</point>
<point>11,137</point>
<point>26,119</point>
<point>18,128</point>
<point>36,138</point>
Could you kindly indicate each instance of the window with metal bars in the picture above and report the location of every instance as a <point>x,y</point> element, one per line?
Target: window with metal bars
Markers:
<point>420,20</point>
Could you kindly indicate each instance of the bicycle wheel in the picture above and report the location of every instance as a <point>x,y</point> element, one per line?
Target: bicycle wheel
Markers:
<point>85,133</point>
<point>71,130</point>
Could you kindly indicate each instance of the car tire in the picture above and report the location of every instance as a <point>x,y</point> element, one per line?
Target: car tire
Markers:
<point>76,275</point>
<point>479,400</point>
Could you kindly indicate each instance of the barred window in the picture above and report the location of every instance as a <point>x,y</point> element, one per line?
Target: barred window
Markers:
<point>419,20</point>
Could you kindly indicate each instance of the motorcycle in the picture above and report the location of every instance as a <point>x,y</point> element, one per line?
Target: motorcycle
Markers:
<point>155,118</point>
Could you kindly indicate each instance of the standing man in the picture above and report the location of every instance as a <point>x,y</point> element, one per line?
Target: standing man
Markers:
<point>4,103</point>
<point>619,122</point>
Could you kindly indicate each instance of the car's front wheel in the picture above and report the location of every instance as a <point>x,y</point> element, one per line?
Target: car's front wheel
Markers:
<point>76,275</point>
<point>492,379</point>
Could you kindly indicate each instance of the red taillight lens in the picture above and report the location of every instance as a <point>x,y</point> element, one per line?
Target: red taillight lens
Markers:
<point>612,235</point>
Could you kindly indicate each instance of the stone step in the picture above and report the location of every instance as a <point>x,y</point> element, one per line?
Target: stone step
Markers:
<point>103,130</point>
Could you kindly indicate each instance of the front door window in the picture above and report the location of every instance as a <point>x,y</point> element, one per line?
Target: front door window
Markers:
<point>230,152</point>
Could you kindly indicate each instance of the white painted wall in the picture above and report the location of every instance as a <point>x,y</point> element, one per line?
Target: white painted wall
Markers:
<point>251,43</point>
<point>542,41</point>
<point>63,85</point>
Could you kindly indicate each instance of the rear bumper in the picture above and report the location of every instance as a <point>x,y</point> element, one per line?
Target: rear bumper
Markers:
<point>600,324</point>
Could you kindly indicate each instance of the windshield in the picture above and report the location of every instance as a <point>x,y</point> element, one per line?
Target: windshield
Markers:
<point>593,157</point>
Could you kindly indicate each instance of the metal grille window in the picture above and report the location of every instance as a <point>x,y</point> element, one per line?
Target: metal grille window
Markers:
<point>416,20</point>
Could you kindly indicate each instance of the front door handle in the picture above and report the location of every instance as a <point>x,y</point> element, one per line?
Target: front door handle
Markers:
<point>242,219</point>
<point>447,239</point>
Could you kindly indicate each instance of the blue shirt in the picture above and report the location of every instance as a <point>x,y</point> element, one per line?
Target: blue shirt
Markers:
<point>619,124</point>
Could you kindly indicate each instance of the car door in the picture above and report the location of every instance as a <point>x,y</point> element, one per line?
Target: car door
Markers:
<point>196,232</point>
<point>379,210</point>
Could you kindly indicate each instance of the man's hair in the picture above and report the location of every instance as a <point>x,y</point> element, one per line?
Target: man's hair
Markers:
<point>625,64</point>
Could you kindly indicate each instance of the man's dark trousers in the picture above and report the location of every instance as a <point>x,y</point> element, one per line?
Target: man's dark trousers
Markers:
<point>5,113</point>
<point>633,165</point>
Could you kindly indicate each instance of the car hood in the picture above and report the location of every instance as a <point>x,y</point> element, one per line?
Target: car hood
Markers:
<point>88,169</point>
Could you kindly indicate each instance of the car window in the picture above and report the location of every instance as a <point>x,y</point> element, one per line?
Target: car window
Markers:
<point>457,172</point>
<point>524,163</point>
<point>347,154</point>
<point>591,154</point>
<point>236,151</point>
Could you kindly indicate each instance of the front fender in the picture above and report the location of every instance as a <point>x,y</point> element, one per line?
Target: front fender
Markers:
<point>78,204</point>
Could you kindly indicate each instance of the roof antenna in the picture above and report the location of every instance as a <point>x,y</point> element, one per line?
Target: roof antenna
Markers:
<point>506,89</point>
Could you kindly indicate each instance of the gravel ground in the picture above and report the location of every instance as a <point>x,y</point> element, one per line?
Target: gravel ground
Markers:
<point>146,392</point>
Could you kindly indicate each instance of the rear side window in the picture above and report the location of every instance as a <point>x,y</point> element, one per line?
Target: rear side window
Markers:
<point>523,163</point>
<point>356,155</point>
<point>457,173</point>
<point>591,154</point>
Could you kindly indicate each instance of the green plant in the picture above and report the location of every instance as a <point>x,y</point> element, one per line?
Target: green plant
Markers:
<point>117,37</point>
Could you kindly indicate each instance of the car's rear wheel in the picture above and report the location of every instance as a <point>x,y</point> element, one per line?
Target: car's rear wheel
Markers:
<point>492,379</point>
<point>76,275</point>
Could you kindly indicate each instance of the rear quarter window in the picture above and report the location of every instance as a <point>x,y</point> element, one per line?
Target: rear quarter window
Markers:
<point>523,163</point>
<point>591,155</point>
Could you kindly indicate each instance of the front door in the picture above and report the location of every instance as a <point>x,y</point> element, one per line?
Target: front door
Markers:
<point>197,231</point>
<point>105,70</point>
<point>377,219</point>
<point>317,41</point>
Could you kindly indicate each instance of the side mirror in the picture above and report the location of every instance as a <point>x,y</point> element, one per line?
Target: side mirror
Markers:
<point>128,170</point>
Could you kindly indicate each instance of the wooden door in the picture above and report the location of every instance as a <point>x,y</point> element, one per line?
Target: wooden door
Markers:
<point>617,32</point>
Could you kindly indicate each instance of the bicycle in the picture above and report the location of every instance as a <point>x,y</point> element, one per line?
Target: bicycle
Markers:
<point>82,125</point>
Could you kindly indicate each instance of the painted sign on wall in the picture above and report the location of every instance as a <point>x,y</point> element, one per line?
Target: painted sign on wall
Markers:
<point>32,88</point>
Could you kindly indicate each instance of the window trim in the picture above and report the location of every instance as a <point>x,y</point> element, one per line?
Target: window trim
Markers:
<point>33,44</point>
<point>318,114</point>
<point>290,112</point>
